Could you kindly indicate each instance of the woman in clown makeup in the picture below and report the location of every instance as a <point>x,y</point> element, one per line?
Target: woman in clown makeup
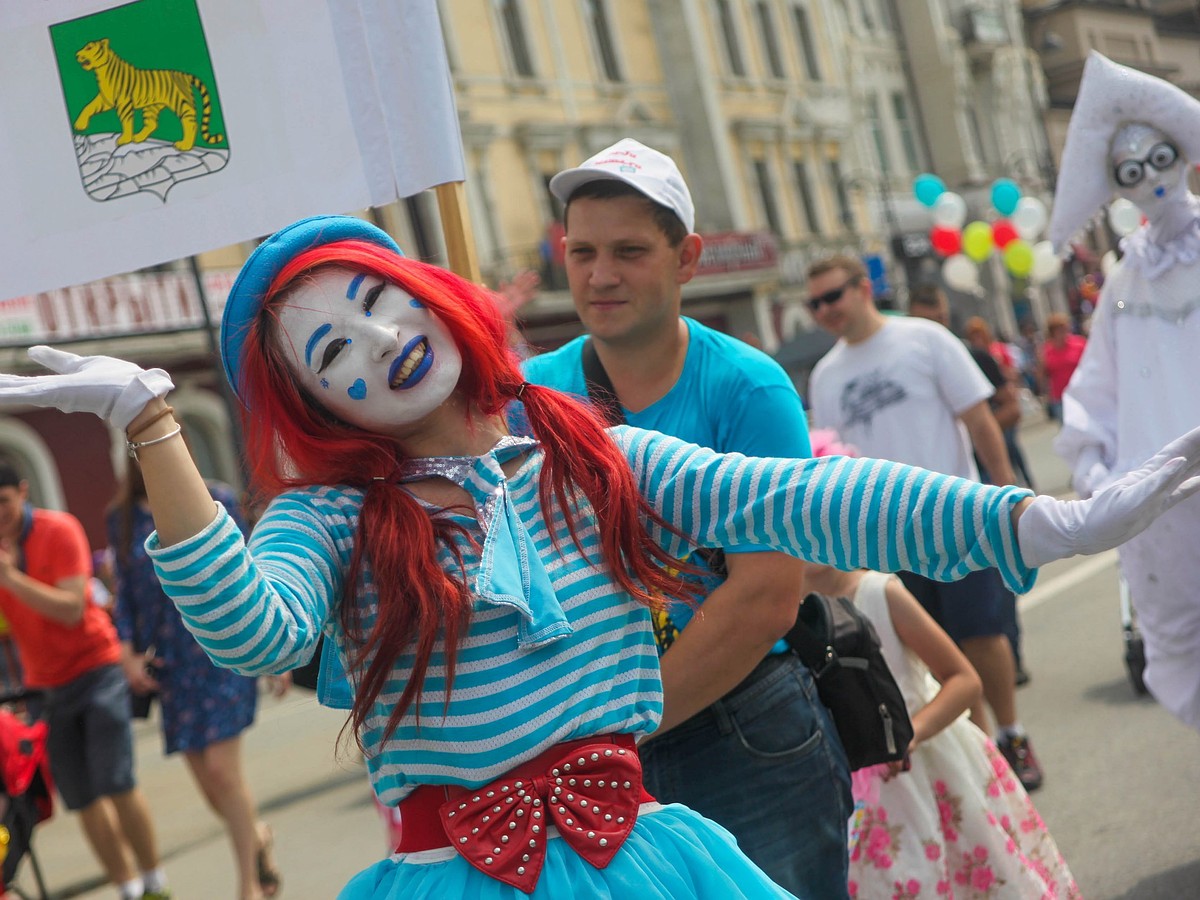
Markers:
<point>488,596</point>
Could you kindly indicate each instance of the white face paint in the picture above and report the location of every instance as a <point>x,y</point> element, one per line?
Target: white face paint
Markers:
<point>1148,169</point>
<point>371,354</point>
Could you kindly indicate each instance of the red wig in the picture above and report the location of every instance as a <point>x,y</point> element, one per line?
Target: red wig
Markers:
<point>292,442</point>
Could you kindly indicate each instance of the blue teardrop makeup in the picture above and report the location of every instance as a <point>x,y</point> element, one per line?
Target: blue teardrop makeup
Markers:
<point>358,390</point>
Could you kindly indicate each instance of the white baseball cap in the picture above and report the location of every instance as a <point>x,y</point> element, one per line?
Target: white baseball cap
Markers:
<point>644,168</point>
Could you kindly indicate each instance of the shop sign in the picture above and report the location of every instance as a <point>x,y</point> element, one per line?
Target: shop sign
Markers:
<point>738,251</point>
<point>142,303</point>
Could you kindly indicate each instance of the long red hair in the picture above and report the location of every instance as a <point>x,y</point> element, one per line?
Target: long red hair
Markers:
<point>292,442</point>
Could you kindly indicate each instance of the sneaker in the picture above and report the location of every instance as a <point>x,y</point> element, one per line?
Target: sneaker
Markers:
<point>1019,753</point>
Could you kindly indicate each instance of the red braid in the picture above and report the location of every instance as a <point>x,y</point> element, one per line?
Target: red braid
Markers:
<point>292,442</point>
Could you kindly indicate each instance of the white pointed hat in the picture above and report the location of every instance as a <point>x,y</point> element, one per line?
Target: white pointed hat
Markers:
<point>1112,95</point>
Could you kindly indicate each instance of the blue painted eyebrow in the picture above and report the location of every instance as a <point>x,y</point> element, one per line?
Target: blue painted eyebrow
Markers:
<point>312,341</point>
<point>354,285</point>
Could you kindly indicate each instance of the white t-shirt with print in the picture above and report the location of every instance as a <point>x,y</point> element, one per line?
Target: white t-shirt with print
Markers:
<point>898,394</point>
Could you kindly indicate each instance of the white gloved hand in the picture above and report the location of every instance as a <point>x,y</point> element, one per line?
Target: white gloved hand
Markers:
<point>113,389</point>
<point>1052,529</point>
<point>1090,473</point>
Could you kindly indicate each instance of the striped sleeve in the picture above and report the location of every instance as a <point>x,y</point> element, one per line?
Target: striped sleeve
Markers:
<point>848,513</point>
<point>258,610</point>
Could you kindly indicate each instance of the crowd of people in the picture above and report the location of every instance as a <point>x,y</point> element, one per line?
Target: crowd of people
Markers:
<point>554,589</point>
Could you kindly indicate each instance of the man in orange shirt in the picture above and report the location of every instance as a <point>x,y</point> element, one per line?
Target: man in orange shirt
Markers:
<point>71,657</point>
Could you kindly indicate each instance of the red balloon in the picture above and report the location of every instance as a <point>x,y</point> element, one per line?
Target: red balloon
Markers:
<point>945,241</point>
<point>1004,232</point>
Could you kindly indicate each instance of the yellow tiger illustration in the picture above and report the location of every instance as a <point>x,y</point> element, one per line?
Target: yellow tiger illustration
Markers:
<point>126,88</point>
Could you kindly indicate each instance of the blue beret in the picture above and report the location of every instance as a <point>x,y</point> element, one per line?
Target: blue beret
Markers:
<point>268,260</point>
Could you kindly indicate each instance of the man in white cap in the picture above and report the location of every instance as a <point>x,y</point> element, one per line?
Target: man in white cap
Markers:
<point>1137,137</point>
<point>747,741</point>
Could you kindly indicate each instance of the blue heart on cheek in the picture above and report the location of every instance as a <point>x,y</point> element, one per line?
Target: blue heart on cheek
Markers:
<point>358,390</point>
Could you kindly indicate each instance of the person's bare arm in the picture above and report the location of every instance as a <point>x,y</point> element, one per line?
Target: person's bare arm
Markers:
<point>63,602</point>
<point>1006,405</point>
<point>732,632</point>
<point>988,441</point>
<point>960,683</point>
<point>179,499</point>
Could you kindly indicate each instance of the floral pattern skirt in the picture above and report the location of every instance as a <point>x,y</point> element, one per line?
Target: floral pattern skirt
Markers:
<point>958,826</point>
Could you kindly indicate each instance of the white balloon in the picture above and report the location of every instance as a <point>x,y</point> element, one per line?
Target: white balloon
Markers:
<point>960,273</point>
<point>1046,263</point>
<point>950,210</point>
<point>1107,261</point>
<point>1029,218</point>
<point>1124,217</point>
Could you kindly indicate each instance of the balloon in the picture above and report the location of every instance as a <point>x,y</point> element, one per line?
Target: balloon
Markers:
<point>950,210</point>
<point>1003,233</point>
<point>945,241</point>
<point>1005,196</point>
<point>928,188</point>
<point>1107,261</point>
<point>960,273</point>
<point>977,241</point>
<point>1018,257</point>
<point>1124,217</point>
<point>1046,263</point>
<point>1030,218</point>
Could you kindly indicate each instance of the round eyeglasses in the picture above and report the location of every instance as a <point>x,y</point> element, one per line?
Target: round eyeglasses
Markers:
<point>1130,172</point>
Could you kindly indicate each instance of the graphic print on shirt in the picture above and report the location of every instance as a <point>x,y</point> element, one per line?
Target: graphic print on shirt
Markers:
<point>867,395</point>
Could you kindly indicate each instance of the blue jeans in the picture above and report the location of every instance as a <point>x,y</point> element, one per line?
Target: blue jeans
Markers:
<point>765,762</point>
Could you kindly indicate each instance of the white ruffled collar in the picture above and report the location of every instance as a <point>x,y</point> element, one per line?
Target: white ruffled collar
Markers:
<point>1151,259</point>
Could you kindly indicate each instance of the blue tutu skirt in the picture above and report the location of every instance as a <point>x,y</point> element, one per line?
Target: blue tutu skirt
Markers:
<point>672,853</point>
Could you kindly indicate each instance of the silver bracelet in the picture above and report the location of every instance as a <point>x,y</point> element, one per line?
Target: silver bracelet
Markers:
<point>133,448</point>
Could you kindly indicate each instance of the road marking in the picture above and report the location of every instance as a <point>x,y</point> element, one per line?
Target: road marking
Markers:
<point>1048,590</point>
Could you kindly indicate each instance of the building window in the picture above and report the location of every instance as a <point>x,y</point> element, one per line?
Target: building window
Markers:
<point>875,123</point>
<point>515,36</point>
<point>766,25</point>
<point>597,14</point>
<point>845,213</point>
<point>728,29</point>
<point>808,50</point>
<point>766,192</point>
<point>908,140</point>
<point>804,191</point>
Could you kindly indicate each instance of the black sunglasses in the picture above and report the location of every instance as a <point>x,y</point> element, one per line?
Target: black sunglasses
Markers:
<point>829,297</point>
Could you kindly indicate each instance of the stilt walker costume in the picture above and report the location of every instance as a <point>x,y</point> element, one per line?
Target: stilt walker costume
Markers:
<point>1137,137</point>
<point>493,616</point>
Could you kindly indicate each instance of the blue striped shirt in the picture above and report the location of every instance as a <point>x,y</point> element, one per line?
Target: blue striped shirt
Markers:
<point>260,609</point>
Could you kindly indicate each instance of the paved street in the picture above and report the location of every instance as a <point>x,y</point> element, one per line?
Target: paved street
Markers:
<point>1120,791</point>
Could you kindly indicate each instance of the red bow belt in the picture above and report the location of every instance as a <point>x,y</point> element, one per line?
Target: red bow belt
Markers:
<point>588,789</point>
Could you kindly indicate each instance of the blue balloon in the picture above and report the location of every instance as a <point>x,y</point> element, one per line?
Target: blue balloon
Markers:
<point>1005,196</point>
<point>928,188</point>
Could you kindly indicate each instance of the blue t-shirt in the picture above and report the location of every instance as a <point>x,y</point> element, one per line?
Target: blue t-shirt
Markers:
<point>730,397</point>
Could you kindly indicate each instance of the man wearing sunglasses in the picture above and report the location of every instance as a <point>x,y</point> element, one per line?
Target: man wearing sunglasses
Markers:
<point>744,738</point>
<point>907,389</point>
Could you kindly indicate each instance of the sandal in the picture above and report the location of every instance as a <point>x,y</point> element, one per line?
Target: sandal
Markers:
<point>269,878</point>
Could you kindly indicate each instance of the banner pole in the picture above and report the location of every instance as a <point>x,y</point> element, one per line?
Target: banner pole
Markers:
<point>456,229</point>
<point>231,402</point>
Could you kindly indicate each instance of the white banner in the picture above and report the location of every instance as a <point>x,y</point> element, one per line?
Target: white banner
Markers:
<point>142,132</point>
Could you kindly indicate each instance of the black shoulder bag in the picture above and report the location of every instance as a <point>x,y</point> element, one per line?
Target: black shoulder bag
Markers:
<point>841,648</point>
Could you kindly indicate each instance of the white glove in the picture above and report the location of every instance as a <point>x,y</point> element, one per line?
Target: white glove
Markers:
<point>113,389</point>
<point>1090,473</point>
<point>1052,529</point>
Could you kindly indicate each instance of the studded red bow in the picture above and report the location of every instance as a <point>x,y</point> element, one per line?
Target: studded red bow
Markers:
<point>590,793</point>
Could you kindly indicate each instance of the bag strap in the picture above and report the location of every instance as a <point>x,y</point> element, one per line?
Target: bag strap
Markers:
<point>26,528</point>
<point>599,386</point>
